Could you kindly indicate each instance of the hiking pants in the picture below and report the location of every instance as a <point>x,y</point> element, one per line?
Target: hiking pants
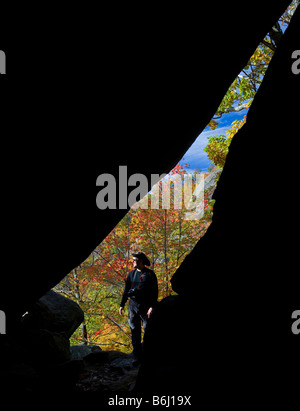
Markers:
<point>137,314</point>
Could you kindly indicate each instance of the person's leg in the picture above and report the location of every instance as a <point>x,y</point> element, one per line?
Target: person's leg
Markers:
<point>144,318</point>
<point>135,326</point>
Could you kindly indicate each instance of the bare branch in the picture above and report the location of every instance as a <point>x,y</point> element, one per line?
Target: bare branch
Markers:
<point>118,325</point>
<point>270,45</point>
<point>231,109</point>
<point>238,108</point>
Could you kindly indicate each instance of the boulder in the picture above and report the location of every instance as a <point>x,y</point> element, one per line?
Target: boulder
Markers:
<point>55,313</point>
<point>44,347</point>
<point>78,352</point>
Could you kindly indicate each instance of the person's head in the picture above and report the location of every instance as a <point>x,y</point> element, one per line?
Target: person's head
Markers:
<point>140,260</point>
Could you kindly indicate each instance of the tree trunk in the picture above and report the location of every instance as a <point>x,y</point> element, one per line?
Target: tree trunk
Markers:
<point>78,298</point>
<point>179,237</point>
<point>165,254</point>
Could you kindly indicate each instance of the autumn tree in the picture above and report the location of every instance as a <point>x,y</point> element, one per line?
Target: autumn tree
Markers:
<point>242,91</point>
<point>98,283</point>
<point>164,233</point>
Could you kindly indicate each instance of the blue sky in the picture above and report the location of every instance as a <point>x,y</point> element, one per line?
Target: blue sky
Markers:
<point>195,155</point>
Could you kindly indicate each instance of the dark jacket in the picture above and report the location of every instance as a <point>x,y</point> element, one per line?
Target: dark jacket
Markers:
<point>144,286</point>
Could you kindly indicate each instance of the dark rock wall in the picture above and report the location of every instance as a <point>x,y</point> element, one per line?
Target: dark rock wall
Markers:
<point>239,286</point>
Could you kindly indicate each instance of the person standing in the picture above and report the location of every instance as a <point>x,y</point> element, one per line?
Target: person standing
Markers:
<point>142,289</point>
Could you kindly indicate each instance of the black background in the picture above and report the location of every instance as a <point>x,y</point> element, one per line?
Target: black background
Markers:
<point>88,90</point>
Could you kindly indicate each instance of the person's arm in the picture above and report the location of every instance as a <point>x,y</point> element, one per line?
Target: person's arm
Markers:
<point>125,293</point>
<point>154,293</point>
<point>154,289</point>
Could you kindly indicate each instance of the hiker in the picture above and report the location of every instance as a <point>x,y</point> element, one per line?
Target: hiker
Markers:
<point>141,287</point>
